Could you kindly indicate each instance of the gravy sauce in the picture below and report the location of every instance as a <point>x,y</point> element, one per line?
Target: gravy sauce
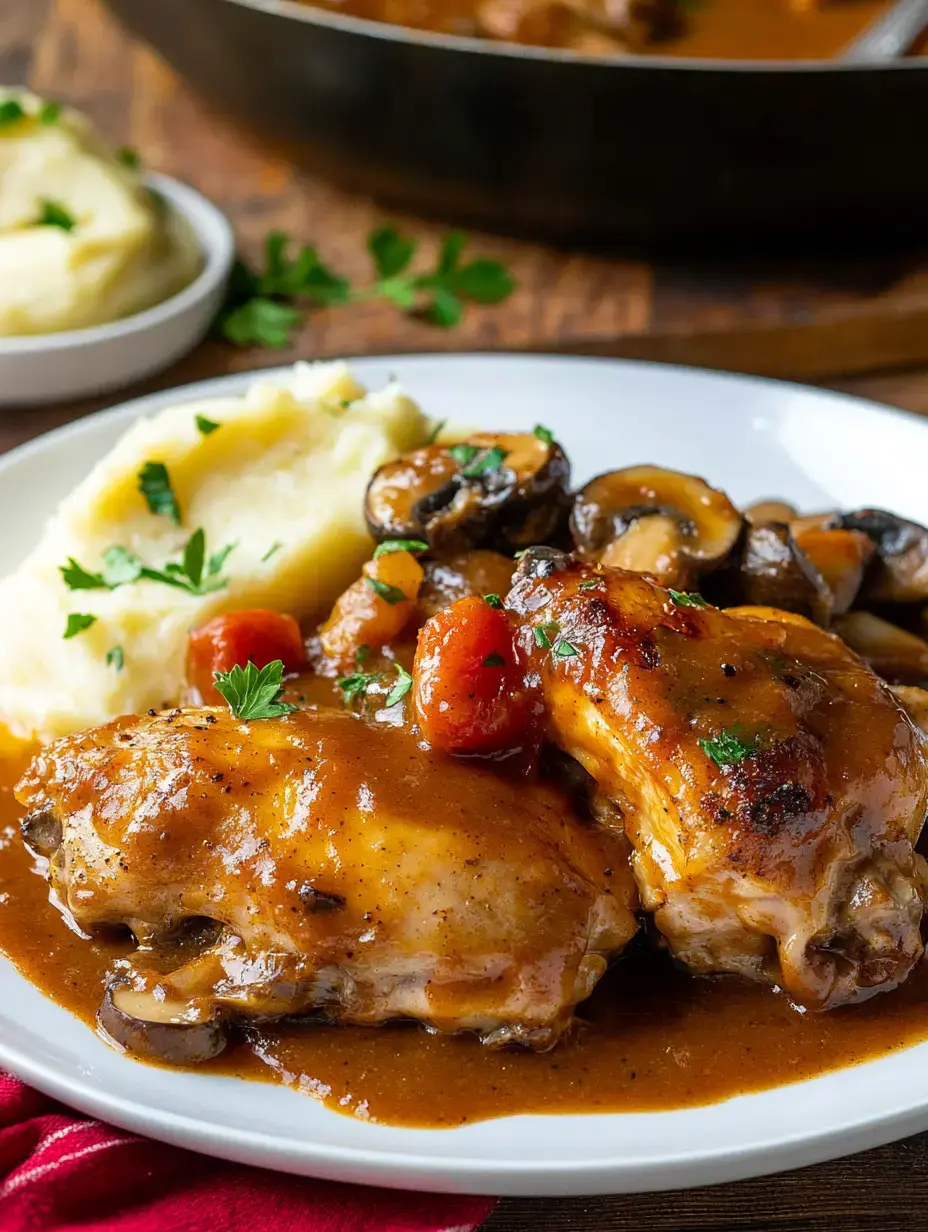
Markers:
<point>651,1037</point>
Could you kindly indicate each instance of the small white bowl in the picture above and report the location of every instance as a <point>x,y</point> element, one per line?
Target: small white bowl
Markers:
<point>78,363</point>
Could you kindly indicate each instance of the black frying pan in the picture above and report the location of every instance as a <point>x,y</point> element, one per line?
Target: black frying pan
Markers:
<point>561,145</point>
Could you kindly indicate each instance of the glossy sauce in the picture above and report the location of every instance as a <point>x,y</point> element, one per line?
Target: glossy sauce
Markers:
<point>651,1037</point>
<point>715,29</point>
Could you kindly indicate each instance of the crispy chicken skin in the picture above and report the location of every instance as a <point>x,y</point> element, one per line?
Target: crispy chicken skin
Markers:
<point>355,873</point>
<point>793,860</point>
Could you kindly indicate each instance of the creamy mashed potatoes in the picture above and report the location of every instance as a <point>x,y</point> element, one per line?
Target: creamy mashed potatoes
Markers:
<point>125,251</point>
<point>282,478</point>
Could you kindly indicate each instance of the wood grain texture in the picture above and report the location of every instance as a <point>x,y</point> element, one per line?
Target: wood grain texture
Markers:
<point>788,318</point>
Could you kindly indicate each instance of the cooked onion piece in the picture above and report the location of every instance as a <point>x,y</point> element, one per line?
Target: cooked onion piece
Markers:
<point>893,653</point>
<point>694,526</point>
<point>496,490</point>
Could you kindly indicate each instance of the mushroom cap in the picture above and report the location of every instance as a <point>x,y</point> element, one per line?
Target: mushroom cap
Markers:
<point>707,523</point>
<point>899,573</point>
<point>773,571</point>
<point>502,490</point>
<point>158,1030</point>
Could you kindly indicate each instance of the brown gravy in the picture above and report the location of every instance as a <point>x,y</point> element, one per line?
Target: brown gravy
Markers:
<point>714,29</point>
<point>651,1037</point>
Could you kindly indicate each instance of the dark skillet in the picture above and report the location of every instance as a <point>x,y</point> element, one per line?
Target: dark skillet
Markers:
<point>561,145</point>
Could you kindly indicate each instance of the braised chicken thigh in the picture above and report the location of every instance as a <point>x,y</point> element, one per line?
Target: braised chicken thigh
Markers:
<point>770,785</point>
<point>352,873</point>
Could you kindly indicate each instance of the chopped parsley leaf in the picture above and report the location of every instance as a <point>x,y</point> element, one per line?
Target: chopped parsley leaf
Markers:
<point>687,599</point>
<point>589,584</point>
<point>493,600</point>
<point>362,653</point>
<point>129,157</point>
<point>565,650</point>
<point>383,590</point>
<point>401,688</point>
<point>728,748</point>
<point>544,434</point>
<point>272,550</point>
<point>463,454</point>
<point>356,685</point>
<point>115,658</point>
<point>492,460</point>
<point>437,429</point>
<point>254,693</point>
<point>544,633</point>
<point>49,112</point>
<point>77,623</point>
<point>11,110</point>
<point>54,215</point>
<point>494,660</point>
<point>399,545</point>
<point>206,426</point>
<point>155,486</point>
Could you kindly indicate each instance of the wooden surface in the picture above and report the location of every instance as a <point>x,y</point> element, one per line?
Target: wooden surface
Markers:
<point>842,318</point>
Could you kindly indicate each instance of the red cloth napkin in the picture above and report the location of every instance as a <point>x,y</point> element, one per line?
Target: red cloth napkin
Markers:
<point>60,1172</point>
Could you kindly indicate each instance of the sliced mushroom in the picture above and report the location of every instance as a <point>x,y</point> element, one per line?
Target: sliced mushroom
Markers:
<point>914,701</point>
<point>770,511</point>
<point>895,654</point>
<point>450,578</point>
<point>42,832</point>
<point>899,574</point>
<point>159,1030</point>
<point>496,490</point>
<point>772,571</point>
<point>661,522</point>
<point>840,556</point>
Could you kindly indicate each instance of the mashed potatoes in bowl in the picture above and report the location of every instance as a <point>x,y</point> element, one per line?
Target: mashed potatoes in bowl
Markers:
<point>83,241</point>
<point>271,484</point>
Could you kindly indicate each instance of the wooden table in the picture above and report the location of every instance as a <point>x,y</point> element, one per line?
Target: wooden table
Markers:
<point>839,323</point>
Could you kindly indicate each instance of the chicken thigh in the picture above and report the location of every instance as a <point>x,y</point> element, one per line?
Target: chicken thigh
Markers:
<point>352,872</point>
<point>771,786</point>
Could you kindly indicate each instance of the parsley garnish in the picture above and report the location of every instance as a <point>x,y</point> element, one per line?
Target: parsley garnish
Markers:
<point>54,215</point>
<point>728,748</point>
<point>492,460</point>
<point>462,454</point>
<point>129,157</point>
<point>206,426</point>
<point>493,600</point>
<point>437,429</point>
<point>49,112</point>
<point>399,545</point>
<point>155,486</point>
<point>390,594</point>
<point>544,434</point>
<point>362,653</point>
<point>77,623</point>
<point>272,550</point>
<point>544,633</point>
<point>356,685</point>
<point>588,584</point>
<point>565,650</point>
<point>494,660</point>
<point>115,658</point>
<point>252,693</point>
<point>401,688</point>
<point>265,306</point>
<point>11,110</point>
<point>687,599</point>
<point>121,567</point>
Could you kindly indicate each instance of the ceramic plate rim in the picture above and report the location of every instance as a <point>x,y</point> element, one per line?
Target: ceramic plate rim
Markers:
<point>463,1171</point>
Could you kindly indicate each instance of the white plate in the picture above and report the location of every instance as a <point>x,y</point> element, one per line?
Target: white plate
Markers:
<point>754,438</point>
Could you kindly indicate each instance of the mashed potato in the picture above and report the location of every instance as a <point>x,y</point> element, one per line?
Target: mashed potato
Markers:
<point>116,248</point>
<point>282,478</point>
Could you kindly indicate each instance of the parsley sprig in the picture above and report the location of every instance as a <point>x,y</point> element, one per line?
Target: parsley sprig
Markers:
<point>254,693</point>
<point>728,748</point>
<point>194,572</point>
<point>264,307</point>
<point>686,598</point>
<point>155,486</point>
